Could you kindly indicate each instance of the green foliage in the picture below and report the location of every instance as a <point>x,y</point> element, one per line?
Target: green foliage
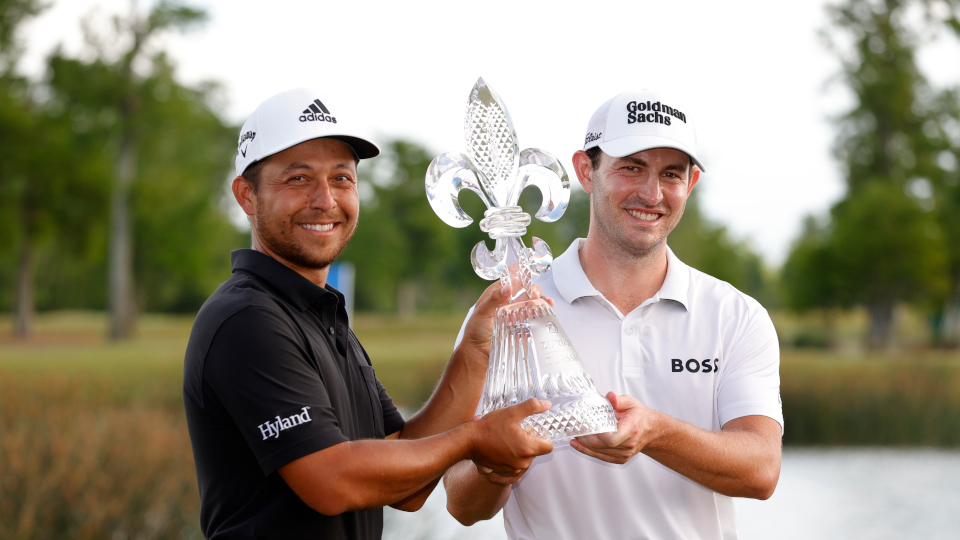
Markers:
<point>882,136</point>
<point>71,130</point>
<point>890,240</point>
<point>708,247</point>
<point>182,239</point>
<point>12,14</point>
<point>400,242</point>
<point>399,238</point>
<point>57,185</point>
<point>887,248</point>
<point>810,276</point>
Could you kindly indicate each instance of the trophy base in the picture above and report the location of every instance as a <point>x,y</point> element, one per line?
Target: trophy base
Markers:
<point>572,417</point>
<point>531,356</point>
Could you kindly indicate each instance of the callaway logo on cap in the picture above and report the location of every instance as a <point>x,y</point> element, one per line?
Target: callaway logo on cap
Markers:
<point>290,118</point>
<point>636,121</point>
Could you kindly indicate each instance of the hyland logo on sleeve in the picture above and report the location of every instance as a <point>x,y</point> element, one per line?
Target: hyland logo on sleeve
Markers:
<point>245,138</point>
<point>272,429</point>
<point>645,111</point>
<point>316,112</point>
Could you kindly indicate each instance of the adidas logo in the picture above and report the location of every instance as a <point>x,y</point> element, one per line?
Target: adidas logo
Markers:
<point>316,112</point>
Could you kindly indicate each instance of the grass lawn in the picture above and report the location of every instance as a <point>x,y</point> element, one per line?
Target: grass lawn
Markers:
<point>93,440</point>
<point>408,354</point>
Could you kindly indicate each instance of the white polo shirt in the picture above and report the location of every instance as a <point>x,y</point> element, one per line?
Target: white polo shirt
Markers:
<point>700,351</point>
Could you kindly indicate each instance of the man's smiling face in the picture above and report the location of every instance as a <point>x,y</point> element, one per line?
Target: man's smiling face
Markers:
<point>638,199</point>
<point>306,203</point>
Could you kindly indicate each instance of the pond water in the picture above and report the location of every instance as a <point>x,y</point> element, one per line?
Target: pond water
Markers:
<point>826,494</point>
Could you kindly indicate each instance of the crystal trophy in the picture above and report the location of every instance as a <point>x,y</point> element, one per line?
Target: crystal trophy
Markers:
<point>531,355</point>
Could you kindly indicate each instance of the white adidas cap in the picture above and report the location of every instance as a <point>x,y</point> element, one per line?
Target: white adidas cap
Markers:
<point>636,121</point>
<point>289,118</point>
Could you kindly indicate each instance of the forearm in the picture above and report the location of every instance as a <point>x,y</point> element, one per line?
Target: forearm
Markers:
<point>453,403</point>
<point>355,475</point>
<point>471,497</point>
<point>734,462</point>
<point>455,399</point>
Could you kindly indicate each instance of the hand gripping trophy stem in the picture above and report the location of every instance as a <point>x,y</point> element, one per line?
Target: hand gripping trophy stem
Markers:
<point>531,355</point>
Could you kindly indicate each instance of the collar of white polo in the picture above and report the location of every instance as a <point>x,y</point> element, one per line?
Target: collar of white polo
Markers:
<point>572,282</point>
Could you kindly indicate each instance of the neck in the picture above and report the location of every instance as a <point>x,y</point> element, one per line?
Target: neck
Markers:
<point>317,276</point>
<point>623,279</point>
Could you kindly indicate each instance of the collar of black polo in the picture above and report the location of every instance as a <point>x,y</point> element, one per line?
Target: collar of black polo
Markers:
<point>299,290</point>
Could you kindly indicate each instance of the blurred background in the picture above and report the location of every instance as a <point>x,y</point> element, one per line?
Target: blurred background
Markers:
<point>831,135</point>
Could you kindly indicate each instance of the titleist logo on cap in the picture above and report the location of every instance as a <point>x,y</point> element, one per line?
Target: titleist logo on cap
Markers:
<point>592,137</point>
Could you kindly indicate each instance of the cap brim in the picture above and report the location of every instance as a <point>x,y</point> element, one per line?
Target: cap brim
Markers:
<point>624,146</point>
<point>363,148</point>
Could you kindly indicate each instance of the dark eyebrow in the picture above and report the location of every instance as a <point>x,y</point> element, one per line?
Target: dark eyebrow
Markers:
<point>295,166</point>
<point>303,166</point>
<point>641,163</point>
<point>676,167</point>
<point>635,161</point>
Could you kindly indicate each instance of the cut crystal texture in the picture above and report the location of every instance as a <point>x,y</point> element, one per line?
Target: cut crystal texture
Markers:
<point>531,355</point>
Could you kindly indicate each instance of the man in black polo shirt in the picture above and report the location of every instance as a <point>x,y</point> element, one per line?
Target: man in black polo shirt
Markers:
<point>286,416</point>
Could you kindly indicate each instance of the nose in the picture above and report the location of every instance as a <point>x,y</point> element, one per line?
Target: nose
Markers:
<point>321,196</point>
<point>648,189</point>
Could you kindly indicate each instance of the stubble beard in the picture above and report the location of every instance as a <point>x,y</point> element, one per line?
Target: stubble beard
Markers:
<point>291,251</point>
<point>609,222</point>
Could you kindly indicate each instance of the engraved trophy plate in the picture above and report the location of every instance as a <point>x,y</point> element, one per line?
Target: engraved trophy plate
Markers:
<point>531,355</point>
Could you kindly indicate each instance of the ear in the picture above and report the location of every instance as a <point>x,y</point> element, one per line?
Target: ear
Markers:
<point>694,178</point>
<point>584,169</point>
<point>243,192</point>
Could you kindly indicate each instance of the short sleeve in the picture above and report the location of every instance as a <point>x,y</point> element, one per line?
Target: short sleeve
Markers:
<point>259,369</point>
<point>750,381</point>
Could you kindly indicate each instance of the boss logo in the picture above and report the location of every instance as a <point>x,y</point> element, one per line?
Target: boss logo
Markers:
<point>695,366</point>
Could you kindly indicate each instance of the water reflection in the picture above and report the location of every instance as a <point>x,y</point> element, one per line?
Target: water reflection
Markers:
<point>433,522</point>
<point>875,494</point>
<point>827,494</point>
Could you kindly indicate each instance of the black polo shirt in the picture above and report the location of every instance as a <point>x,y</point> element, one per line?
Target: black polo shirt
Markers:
<point>274,373</point>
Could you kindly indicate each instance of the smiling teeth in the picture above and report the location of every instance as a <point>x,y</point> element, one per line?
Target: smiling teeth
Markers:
<point>317,227</point>
<point>643,215</point>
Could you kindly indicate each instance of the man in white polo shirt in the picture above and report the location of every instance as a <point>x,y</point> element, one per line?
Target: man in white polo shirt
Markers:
<point>690,363</point>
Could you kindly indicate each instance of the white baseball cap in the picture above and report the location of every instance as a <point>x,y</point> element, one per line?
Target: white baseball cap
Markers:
<point>290,118</point>
<point>636,121</point>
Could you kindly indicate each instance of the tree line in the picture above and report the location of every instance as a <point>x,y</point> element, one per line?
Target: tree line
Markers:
<point>112,170</point>
<point>113,188</point>
<point>894,238</point>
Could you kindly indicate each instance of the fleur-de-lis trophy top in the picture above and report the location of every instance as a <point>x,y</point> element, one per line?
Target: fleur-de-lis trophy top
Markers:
<point>494,168</point>
<point>530,354</point>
